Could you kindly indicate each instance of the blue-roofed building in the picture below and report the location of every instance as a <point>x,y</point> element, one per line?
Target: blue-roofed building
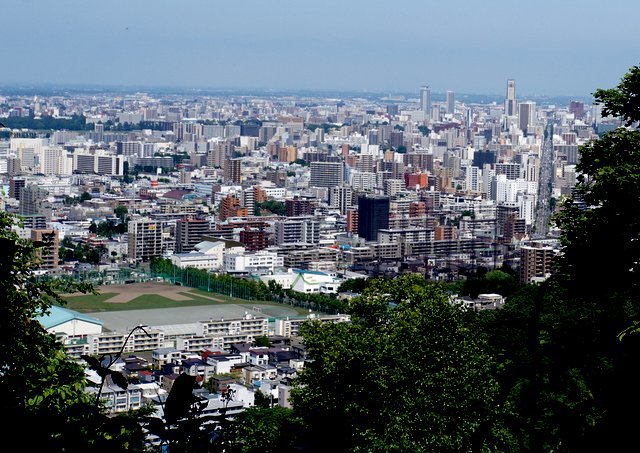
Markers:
<point>61,320</point>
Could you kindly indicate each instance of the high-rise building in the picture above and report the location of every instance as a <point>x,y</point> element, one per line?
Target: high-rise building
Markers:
<point>296,206</point>
<point>48,252</point>
<point>396,139</point>
<point>145,239</point>
<point>451,102</point>
<point>297,230</point>
<point>510,101</point>
<point>341,197</point>
<point>129,148</point>
<point>15,187</point>
<point>13,166</point>
<point>259,194</point>
<point>393,186</point>
<point>373,137</point>
<point>373,214</point>
<point>415,180</point>
<point>287,153</point>
<point>417,209</point>
<point>99,163</point>
<point>233,170</point>
<point>185,176</point>
<point>352,220</point>
<point>509,225</point>
<point>249,200</point>
<point>535,262</point>
<point>189,233</point>
<point>218,152</point>
<point>526,116</point>
<point>392,109</point>
<point>444,233</point>
<point>34,221</point>
<point>472,178</point>
<point>577,108</point>
<point>33,200</point>
<point>55,161</point>
<point>425,102</point>
<point>511,169</point>
<point>254,239</point>
<point>230,207</point>
<point>326,174</point>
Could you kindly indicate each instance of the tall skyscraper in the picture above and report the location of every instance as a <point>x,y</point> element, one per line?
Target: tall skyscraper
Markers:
<point>510,101</point>
<point>425,101</point>
<point>451,102</point>
<point>373,214</point>
<point>526,116</point>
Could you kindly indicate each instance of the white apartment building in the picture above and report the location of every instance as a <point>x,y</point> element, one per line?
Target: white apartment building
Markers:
<point>295,230</point>
<point>207,255</point>
<point>111,342</point>
<point>290,327</point>
<point>98,162</point>
<point>144,239</point>
<point>261,262</point>
<point>55,161</point>
<point>249,324</point>
<point>119,400</point>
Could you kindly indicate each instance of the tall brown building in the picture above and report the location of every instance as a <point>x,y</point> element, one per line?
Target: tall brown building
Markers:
<point>15,187</point>
<point>535,262</point>
<point>445,233</point>
<point>48,253</point>
<point>259,194</point>
<point>352,220</point>
<point>509,224</point>
<point>417,209</point>
<point>297,206</point>
<point>287,154</point>
<point>230,207</point>
<point>254,239</point>
<point>233,170</point>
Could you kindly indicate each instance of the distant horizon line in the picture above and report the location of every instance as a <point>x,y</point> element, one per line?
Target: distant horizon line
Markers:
<point>180,89</point>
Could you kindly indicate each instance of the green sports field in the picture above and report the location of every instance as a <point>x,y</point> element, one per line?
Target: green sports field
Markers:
<point>143,296</point>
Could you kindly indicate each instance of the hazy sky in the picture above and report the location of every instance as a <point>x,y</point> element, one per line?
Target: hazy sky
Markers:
<point>552,47</point>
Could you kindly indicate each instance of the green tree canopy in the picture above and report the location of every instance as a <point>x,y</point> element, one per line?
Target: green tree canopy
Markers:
<point>121,212</point>
<point>41,389</point>
<point>409,373</point>
<point>260,429</point>
<point>567,379</point>
<point>599,268</point>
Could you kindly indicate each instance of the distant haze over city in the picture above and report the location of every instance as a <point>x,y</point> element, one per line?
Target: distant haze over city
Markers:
<point>565,48</point>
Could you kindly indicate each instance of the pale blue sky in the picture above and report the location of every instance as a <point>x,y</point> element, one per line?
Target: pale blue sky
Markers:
<point>561,47</point>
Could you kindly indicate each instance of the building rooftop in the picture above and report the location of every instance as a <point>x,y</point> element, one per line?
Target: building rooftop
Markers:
<point>59,315</point>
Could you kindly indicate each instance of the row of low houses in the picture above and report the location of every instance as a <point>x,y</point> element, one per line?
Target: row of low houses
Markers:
<point>244,369</point>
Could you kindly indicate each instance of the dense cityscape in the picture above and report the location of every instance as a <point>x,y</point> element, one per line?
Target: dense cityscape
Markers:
<point>375,186</point>
<point>296,200</point>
